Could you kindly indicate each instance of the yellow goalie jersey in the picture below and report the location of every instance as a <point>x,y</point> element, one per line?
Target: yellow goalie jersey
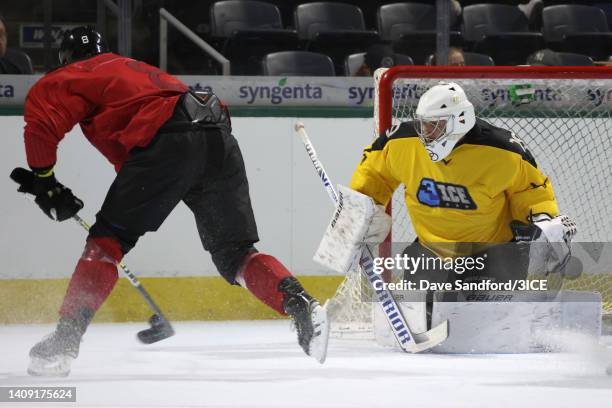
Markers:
<point>488,180</point>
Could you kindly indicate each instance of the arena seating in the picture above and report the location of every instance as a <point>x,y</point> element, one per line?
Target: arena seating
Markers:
<point>577,28</point>
<point>15,62</point>
<point>297,63</point>
<point>411,28</point>
<point>337,29</point>
<point>501,31</point>
<point>471,58</point>
<point>353,62</point>
<point>244,31</point>
<point>248,30</point>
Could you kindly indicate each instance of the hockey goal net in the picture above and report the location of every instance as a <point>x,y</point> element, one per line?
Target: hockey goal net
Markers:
<point>564,114</point>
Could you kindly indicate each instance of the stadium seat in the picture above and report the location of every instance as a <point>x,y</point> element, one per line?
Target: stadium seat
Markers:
<point>500,31</point>
<point>572,59</point>
<point>337,29</point>
<point>471,58</point>
<point>247,30</point>
<point>16,62</point>
<point>411,28</point>
<point>353,62</point>
<point>533,11</point>
<point>577,28</point>
<point>549,57</point>
<point>606,7</point>
<point>297,63</point>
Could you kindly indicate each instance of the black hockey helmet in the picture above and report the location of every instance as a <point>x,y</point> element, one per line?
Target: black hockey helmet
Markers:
<point>80,43</point>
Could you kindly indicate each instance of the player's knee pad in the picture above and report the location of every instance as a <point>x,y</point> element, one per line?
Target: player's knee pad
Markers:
<point>230,259</point>
<point>102,249</point>
<point>104,229</point>
<point>94,277</point>
<point>258,268</point>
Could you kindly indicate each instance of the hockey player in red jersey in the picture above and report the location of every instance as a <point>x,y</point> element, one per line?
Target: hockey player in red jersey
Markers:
<point>166,144</point>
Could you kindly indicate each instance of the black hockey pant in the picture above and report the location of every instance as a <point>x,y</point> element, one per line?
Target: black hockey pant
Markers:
<point>202,167</point>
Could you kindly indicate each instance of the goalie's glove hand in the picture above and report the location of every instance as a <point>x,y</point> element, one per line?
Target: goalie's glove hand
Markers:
<point>53,198</point>
<point>550,238</point>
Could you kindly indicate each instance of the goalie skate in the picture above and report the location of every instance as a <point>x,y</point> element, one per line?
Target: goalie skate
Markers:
<point>309,317</point>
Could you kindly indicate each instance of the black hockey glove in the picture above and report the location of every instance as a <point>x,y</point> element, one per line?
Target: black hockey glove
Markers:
<point>52,197</point>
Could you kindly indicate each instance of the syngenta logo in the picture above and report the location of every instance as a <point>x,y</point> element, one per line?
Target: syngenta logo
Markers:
<point>365,95</point>
<point>199,87</point>
<point>277,94</point>
<point>7,91</point>
<point>361,94</point>
<point>599,96</point>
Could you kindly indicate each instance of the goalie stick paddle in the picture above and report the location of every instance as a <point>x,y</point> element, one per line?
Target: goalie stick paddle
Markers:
<point>160,326</point>
<point>406,339</point>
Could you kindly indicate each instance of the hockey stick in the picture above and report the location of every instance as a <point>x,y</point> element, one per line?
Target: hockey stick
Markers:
<point>160,326</point>
<point>406,339</point>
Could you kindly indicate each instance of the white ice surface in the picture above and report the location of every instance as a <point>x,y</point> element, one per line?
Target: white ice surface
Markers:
<point>259,364</point>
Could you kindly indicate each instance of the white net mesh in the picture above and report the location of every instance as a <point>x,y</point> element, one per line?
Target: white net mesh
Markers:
<point>566,124</point>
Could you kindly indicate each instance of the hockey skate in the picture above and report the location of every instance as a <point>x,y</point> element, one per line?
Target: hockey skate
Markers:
<point>309,317</point>
<point>53,355</point>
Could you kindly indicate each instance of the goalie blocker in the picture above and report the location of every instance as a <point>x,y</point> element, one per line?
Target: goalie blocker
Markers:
<point>357,220</point>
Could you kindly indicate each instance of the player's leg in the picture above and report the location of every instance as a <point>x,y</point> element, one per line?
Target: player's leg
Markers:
<point>226,224</point>
<point>143,194</point>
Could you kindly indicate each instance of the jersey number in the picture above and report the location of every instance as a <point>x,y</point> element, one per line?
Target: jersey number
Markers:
<point>154,75</point>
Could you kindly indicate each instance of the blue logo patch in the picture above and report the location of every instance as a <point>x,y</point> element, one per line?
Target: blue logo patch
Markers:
<point>445,195</point>
<point>428,194</point>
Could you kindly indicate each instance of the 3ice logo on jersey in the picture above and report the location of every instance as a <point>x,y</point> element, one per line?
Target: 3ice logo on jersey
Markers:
<point>437,194</point>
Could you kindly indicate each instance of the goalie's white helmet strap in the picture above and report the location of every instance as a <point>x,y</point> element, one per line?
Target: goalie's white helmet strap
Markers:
<point>443,116</point>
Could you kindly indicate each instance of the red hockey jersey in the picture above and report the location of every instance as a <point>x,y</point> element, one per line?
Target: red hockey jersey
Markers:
<point>119,103</point>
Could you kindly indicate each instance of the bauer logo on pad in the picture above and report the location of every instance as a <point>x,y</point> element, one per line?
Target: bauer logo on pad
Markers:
<point>437,194</point>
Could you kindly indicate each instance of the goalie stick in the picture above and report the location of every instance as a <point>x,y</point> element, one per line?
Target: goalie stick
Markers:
<point>406,339</point>
<point>160,326</point>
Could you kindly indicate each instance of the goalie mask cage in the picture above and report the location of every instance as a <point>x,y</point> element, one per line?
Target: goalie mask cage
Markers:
<point>564,116</point>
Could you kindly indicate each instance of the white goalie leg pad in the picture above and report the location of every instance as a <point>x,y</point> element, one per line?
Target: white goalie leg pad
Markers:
<point>343,240</point>
<point>520,322</point>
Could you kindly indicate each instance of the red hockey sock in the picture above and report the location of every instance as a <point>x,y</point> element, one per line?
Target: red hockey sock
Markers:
<point>94,277</point>
<point>261,274</point>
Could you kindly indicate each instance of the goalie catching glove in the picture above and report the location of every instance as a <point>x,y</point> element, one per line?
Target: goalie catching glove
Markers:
<point>550,238</point>
<point>356,221</point>
<point>53,198</point>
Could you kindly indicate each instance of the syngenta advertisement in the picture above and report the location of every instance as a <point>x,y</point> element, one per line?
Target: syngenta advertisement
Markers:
<point>485,94</point>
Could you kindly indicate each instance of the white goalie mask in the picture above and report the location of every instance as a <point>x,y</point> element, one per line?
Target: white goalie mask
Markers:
<point>443,116</point>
